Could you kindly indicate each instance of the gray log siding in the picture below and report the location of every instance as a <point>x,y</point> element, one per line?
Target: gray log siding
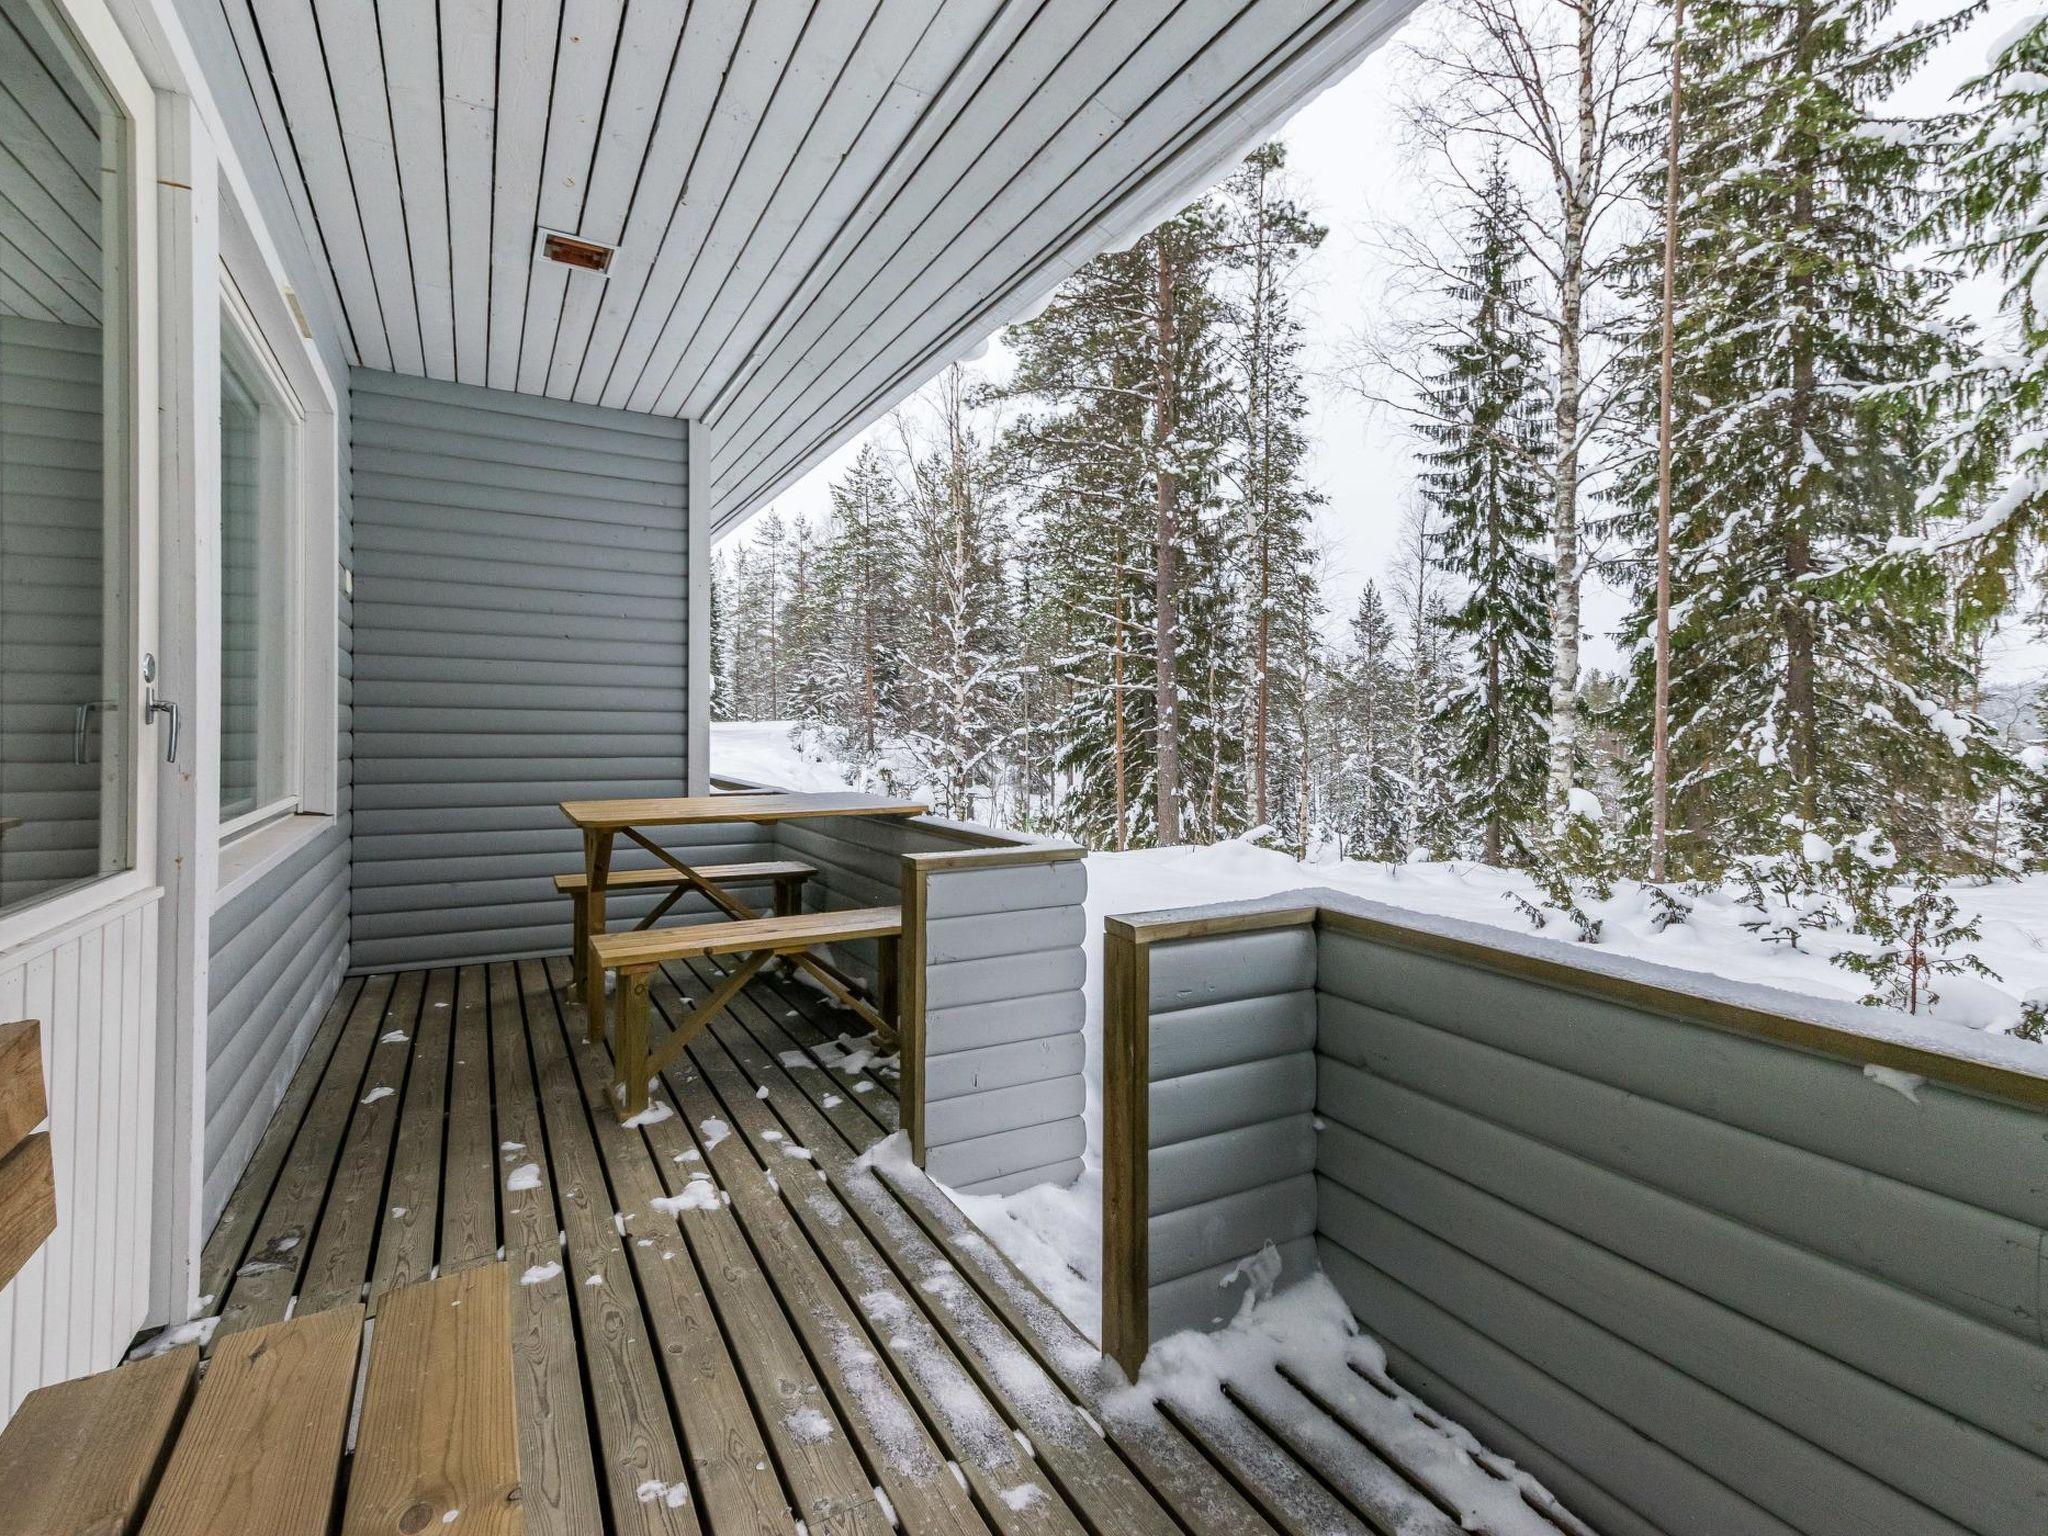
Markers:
<point>1232,1097</point>
<point>279,947</point>
<point>521,639</point>
<point>1002,1089</point>
<point>1699,1280</point>
<point>1004,1052</point>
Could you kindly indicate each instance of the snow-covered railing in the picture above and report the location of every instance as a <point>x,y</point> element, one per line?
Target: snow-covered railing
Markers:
<point>992,971</point>
<point>1702,1255</point>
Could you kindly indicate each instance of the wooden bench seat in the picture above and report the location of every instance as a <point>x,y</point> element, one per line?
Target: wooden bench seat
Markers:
<point>259,1447</point>
<point>787,875</point>
<point>637,955</point>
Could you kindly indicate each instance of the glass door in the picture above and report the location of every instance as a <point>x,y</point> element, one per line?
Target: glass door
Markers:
<point>72,544</point>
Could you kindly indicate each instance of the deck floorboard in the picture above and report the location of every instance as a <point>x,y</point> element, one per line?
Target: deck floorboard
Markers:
<point>725,1320</point>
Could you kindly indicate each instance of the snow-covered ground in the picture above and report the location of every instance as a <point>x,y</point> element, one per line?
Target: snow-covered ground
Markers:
<point>1054,1234</point>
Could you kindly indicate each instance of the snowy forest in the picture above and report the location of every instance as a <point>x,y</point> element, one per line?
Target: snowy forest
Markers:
<point>1683,320</point>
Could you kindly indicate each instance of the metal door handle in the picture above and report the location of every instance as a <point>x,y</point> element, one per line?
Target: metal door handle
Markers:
<point>156,706</point>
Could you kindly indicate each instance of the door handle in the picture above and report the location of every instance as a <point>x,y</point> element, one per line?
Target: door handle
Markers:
<point>155,706</point>
<point>81,729</point>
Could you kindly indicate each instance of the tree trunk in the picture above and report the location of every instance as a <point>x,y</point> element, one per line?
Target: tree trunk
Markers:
<point>1564,517</point>
<point>1801,706</point>
<point>1116,695</point>
<point>1660,711</point>
<point>1167,535</point>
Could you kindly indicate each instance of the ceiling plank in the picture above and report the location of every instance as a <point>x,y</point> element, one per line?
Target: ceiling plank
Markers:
<point>286,38</point>
<point>355,70</point>
<point>999,154</point>
<point>647,58</point>
<point>583,68</point>
<point>469,115</point>
<point>760,69</point>
<point>411,43</point>
<point>710,39</point>
<point>527,30</point>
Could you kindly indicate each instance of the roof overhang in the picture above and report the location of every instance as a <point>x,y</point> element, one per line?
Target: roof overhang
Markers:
<point>815,206</point>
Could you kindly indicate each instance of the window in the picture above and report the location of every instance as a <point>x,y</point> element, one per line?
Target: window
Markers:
<point>261,425</point>
<point>68,563</point>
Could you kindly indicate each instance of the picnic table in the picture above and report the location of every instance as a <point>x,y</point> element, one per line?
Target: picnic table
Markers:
<point>602,822</point>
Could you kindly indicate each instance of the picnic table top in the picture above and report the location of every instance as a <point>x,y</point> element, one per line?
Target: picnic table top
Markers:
<point>689,810</point>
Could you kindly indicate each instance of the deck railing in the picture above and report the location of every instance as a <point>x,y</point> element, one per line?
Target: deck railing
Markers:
<point>1703,1256</point>
<point>991,984</point>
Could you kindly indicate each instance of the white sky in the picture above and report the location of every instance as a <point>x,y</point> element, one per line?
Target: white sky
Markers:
<point>1348,165</point>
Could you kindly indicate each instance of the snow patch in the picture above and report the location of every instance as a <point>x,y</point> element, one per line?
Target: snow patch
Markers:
<point>540,1274</point>
<point>1906,1085</point>
<point>525,1176</point>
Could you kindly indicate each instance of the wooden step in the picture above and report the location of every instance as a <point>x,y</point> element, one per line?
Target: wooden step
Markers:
<point>82,1457</point>
<point>717,874</point>
<point>437,1446</point>
<point>262,1446</point>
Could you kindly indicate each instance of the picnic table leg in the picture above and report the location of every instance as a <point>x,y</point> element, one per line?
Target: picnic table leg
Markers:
<point>630,1048</point>
<point>597,861</point>
<point>889,985</point>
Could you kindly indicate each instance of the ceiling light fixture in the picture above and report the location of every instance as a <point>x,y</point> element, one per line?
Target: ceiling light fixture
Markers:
<point>575,251</point>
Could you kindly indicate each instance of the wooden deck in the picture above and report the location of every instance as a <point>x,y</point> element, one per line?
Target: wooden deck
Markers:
<point>788,1341</point>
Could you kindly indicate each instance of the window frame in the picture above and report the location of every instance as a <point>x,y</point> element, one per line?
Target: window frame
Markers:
<point>283,486</point>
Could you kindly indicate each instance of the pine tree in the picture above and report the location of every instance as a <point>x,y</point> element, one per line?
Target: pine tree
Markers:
<point>1808,686</point>
<point>1374,795</point>
<point>1487,416</point>
<point>1268,235</point>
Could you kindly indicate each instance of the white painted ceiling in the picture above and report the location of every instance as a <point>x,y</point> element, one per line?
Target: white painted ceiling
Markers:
<point>817,203</point>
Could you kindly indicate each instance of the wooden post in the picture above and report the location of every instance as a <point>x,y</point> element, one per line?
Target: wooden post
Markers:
<point>597,868</point>
<point>909,1014</point>
<point>1126,1146</point>
<point>631,1046</point>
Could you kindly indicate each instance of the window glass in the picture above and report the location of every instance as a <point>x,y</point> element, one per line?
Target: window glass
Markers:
<point>67,684</point>
<point>258,611</point>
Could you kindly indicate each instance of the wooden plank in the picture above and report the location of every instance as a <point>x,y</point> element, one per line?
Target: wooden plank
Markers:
<point>411,57</point>
<point>585,56</point>
<point>723,874</point>
<point>1292,1497</point>
<point>261,1448</point>
<point>1090,1474</point>
<point>738,1489</point>
<point>22,1105</point>
<point>526,35</point>
<point>642,1462</point>
<point>288,49</point>
<point>469,98</point>
<point>775,935</point>
<point>970,1426</point>
<point>82,1458</point>
<point>469,1190</point>
<point>28,1203</point>
<point>1126,1149</point>
<point>559,1477</point>
<point>437,1445</point>
<point>338,1268</point>
<point>894,1439</point>
<point>741,173</point>
<point>711,33</point>
<point>693,810</point>
<point>412,1201</point>
<point>225,1243</point>
<point>264,1280</point>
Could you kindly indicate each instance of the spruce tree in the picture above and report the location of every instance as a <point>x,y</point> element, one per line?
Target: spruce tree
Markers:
<point>1486,414</point>
<point>1374,795</point>
<point>1809,684</point>
<point>863,591</point>
<point>1991,211</point>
